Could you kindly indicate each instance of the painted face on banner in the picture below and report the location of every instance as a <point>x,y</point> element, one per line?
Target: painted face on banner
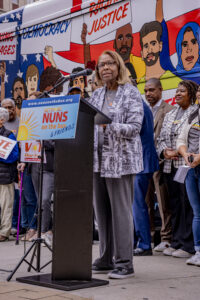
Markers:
<point>124,41</point>
<point>79,81</point>
<point>32,84</point>
<point>18,94</point>
<point>190,50</point>
<point>151,48</point>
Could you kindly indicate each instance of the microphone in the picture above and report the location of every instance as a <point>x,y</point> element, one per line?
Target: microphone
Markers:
<point>65,78</point>
<point>85,72</point>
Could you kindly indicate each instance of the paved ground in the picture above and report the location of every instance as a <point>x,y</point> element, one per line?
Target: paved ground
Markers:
<point>157,278</point>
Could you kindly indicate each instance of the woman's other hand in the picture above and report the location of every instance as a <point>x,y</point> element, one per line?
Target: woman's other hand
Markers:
<point>196,160</point>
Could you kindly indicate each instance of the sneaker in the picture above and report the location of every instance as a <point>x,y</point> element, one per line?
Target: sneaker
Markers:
<point>121,273</point>
<point>13,231</point>
<point>48,237</point>
<point>181,254</point>
<point>168,251</point>
<point>142,252</point>
<point>162,246</point>
<point>194,260</point>
<point>101,269</point>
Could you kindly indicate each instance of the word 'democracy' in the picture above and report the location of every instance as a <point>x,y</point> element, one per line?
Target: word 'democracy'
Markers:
<point>103,18</point>
<point>6,146</point>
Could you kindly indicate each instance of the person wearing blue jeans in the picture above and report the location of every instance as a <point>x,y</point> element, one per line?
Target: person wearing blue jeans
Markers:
<point>188,145</point>
<point>193,189</point>
<point>15,213</point>
<point>29,205</point>
<point>140,209</point>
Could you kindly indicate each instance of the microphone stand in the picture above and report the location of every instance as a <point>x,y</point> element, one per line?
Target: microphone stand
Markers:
<point>38,241</point>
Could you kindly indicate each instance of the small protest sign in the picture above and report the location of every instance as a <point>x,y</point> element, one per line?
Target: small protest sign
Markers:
<point>31,152</point>
<point>6,146</point>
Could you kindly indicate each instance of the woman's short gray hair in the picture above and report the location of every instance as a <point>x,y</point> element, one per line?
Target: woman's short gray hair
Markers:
<point>4,114</point>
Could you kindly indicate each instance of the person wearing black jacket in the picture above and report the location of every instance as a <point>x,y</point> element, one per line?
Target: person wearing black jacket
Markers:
<point>8,174</point>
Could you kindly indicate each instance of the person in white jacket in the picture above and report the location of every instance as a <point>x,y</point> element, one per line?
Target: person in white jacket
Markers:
<point>188,145</point>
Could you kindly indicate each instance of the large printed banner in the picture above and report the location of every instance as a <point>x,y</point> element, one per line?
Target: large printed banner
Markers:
<point>8,42</point>
<point>49,118</point>
<point>6,146</point>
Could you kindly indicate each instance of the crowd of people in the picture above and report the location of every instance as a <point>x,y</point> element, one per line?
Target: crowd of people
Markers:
<point>136,157</point>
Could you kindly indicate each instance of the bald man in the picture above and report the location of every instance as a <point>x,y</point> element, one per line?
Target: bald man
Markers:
<point>123,45</point>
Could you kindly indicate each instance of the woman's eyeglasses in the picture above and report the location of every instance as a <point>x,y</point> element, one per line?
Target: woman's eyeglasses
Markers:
<point>107,63</point>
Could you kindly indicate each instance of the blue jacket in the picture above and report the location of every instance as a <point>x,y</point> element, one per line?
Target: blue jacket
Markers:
<point>150,158</point>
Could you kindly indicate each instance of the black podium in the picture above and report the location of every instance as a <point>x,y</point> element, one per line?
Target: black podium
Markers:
<point>73,208</point>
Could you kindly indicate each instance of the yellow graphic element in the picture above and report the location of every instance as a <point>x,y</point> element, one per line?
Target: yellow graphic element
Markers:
<point>35,147</point>
<point>28,122</point>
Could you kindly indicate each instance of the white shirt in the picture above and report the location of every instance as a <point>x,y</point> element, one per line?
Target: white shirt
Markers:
<point>155,108</point>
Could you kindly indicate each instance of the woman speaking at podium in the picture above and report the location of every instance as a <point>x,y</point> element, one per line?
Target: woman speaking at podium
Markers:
<point>117,157</point>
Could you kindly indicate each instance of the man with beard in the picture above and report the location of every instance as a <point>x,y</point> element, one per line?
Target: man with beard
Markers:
<point>19,93</point>
<point>123,45</point>
<point>151,44</point>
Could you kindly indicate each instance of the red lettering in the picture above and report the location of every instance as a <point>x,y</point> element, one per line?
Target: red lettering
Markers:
<point>27,146</point>
<point>92,9</point>
<point>45,118</point>
<point>6,36</point>
<point>6,146</point>
<point>52,118</point>
<point>118,18</point>
<point>109,16</point>
<point>104,22</point>
<point>55,117</point>
<point>95,8</point>
<point>2,142</point>
<point>7,50</point>
<point>91,29</point>
<point>113,20</point>
<point>65,117</point>
<point>59,116</point>
<point>124,10</point>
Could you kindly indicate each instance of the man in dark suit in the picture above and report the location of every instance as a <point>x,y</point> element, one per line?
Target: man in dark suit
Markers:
<point>140,209</point>
<point>153,94</point>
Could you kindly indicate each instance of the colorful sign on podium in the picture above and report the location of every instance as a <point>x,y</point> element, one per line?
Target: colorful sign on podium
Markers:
<point>49,118</point>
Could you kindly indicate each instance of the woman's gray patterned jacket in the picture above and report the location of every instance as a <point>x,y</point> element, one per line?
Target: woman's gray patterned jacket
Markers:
<point>165,139</point>
<point>122,148</point>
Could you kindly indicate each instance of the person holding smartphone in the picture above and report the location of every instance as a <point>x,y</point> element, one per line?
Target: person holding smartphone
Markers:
<point>188,145</point>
